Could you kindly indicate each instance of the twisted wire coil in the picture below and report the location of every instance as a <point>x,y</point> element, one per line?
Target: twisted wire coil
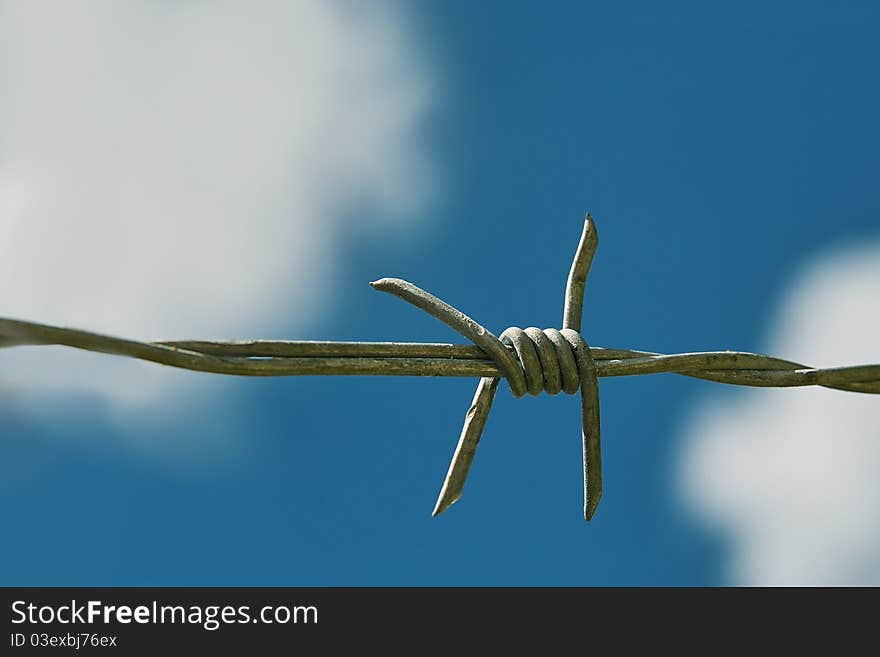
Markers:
<point>546,360</point>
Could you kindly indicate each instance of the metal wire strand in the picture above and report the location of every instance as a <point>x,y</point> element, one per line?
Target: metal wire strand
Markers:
<point>315,358</point>
<point>532,360</point>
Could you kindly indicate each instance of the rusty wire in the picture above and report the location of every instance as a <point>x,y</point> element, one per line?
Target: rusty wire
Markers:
<point>532,360</point>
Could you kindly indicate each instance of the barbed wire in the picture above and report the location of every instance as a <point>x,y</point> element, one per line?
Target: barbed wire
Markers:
<point>531,360</point>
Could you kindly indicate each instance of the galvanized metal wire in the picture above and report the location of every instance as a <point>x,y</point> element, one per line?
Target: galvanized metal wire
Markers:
<point>531,360</point>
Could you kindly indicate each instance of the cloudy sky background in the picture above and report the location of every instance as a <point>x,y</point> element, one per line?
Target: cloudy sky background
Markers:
<point>182,169</point>
<point>215,170</point>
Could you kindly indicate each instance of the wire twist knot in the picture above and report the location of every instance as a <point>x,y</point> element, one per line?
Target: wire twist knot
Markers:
<point>549,360</point>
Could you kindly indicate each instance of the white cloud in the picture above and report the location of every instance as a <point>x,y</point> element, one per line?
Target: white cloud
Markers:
<point>183,169</point>
<point>789,477</point>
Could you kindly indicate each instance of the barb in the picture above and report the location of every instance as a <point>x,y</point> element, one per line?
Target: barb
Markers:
<point>547,358</point>
<point>532,360</point>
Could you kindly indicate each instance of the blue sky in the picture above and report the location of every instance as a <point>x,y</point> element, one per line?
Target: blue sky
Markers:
<point>721,147</point>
